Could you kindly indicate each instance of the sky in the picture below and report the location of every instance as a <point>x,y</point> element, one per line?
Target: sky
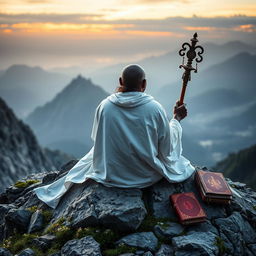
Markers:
<point>64,33</point>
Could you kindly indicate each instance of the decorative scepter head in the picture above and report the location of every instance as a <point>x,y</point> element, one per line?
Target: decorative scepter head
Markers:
<point>192,52</point>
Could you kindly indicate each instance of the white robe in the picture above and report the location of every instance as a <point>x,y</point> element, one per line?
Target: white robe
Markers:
<point>134,147</point>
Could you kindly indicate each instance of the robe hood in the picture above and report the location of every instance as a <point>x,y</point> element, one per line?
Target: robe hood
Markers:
<point>130,99</point>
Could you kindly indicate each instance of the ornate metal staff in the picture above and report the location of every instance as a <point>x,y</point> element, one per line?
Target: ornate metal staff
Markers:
<point>192,53</point>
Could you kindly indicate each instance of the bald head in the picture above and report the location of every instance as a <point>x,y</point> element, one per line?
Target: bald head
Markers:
<point>133,77</point>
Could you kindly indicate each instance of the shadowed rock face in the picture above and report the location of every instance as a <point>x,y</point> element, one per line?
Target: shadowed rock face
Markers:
<point>20,153</point>
<point>229,229</point>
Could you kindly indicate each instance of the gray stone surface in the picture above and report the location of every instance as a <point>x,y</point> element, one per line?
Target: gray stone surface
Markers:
<point>168,230</point>
<point>143,240</point>
<point>36,222</point>
<point>27,252</point>
<point>85,246</point>
<point>147,254</point>
<point>44,242</point>
<point>252,248</point>
<point>158,198</point>
<point>56,254</point>
<point>5,252</point>
<point>165,250</point>
<point>19,218</point>
<point>93,204</point>
<point>20,153</point>
<point>197,243</point>
<point>236,233</point>
<point>202,227</point>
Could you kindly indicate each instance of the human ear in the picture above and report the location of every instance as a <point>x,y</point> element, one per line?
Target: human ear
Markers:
<point>120,81</point>
<point>144,85</point>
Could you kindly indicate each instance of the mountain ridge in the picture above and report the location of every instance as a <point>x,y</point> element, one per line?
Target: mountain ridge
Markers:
<point>64,119</point>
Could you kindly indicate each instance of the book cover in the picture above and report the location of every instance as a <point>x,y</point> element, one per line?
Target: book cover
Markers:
<point>213,183</point>
<point>188,208</point>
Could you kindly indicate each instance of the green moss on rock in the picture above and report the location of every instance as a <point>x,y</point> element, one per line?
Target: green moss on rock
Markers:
<point>26,183</point>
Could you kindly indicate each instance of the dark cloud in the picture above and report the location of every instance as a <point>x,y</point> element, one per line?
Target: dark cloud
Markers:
<point>36,47</point>
<point>167,24</point>
<point>52,18</point>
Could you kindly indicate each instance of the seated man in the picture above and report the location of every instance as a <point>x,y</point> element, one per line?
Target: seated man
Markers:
<point>134,143</point>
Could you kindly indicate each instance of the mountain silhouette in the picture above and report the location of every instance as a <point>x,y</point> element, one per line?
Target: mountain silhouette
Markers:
<point>240,166</point>
<point>25,88</point>
<point>66,121</point>
<point>164,69</point>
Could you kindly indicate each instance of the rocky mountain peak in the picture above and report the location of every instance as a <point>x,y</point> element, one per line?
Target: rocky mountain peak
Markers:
<point>95,220</point>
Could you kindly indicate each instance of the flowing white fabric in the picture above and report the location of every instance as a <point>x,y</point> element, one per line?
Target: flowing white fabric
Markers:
<point>134,146</point>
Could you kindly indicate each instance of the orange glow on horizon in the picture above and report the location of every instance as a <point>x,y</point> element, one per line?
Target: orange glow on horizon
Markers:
<point>121,30</point>
<point>200,28</point>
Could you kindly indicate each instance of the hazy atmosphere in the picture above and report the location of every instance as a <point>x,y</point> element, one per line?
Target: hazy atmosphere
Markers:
<point>87,171</point>
<point>59,59</point>
<point>90,34</point>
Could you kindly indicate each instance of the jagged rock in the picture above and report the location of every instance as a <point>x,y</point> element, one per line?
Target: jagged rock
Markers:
<point>65,168</point>
<point>236,232</point>
<point>84,246</point>
<point>4,208</point>
<point>139,252</point>
<point>5,252</point>
<point>4,230</point>
<point>244,203</point>
<point>142,240</point>
<point>20,153</point>
<point>202,227</point>
<point>3,198</point>
<point>55,254</point>
<point>169,230</point>
<point>197,243</point>
<point>252,248</point>
<point>43,242</point>
<point>147,254</point>
<point>19,218</point>
<point>158,197</point>
<point>49,177</point>
<point>36,222</point>
<point>27,252</point>
<point>165,250</point>
<point>93,204</point>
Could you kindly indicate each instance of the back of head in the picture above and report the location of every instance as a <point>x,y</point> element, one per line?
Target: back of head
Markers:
<point>132,78</point>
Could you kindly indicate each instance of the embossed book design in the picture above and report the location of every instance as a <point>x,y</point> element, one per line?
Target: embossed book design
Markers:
<point>188,208</point>
<point>213,187</point>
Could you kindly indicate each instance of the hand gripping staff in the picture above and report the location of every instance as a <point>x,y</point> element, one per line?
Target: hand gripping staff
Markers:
<point>192,52</point>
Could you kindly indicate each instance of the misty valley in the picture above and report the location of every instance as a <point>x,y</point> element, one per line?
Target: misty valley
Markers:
<point>221,102</point>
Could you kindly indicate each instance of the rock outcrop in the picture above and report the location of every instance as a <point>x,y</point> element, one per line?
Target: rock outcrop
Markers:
<point>19,150</point>
<point>92,219</point>
<point>20,153</point>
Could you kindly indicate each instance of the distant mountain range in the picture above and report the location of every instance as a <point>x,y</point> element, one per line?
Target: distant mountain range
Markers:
<point>24,88</point>
<point>65,122</point>
<point>218,100</point>
<point>164,69</point>
<point>240,166</point>
<point>20,153</point>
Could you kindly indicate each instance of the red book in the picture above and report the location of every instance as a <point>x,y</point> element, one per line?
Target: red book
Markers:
<point>188,208</point>
<point>213,187</point>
